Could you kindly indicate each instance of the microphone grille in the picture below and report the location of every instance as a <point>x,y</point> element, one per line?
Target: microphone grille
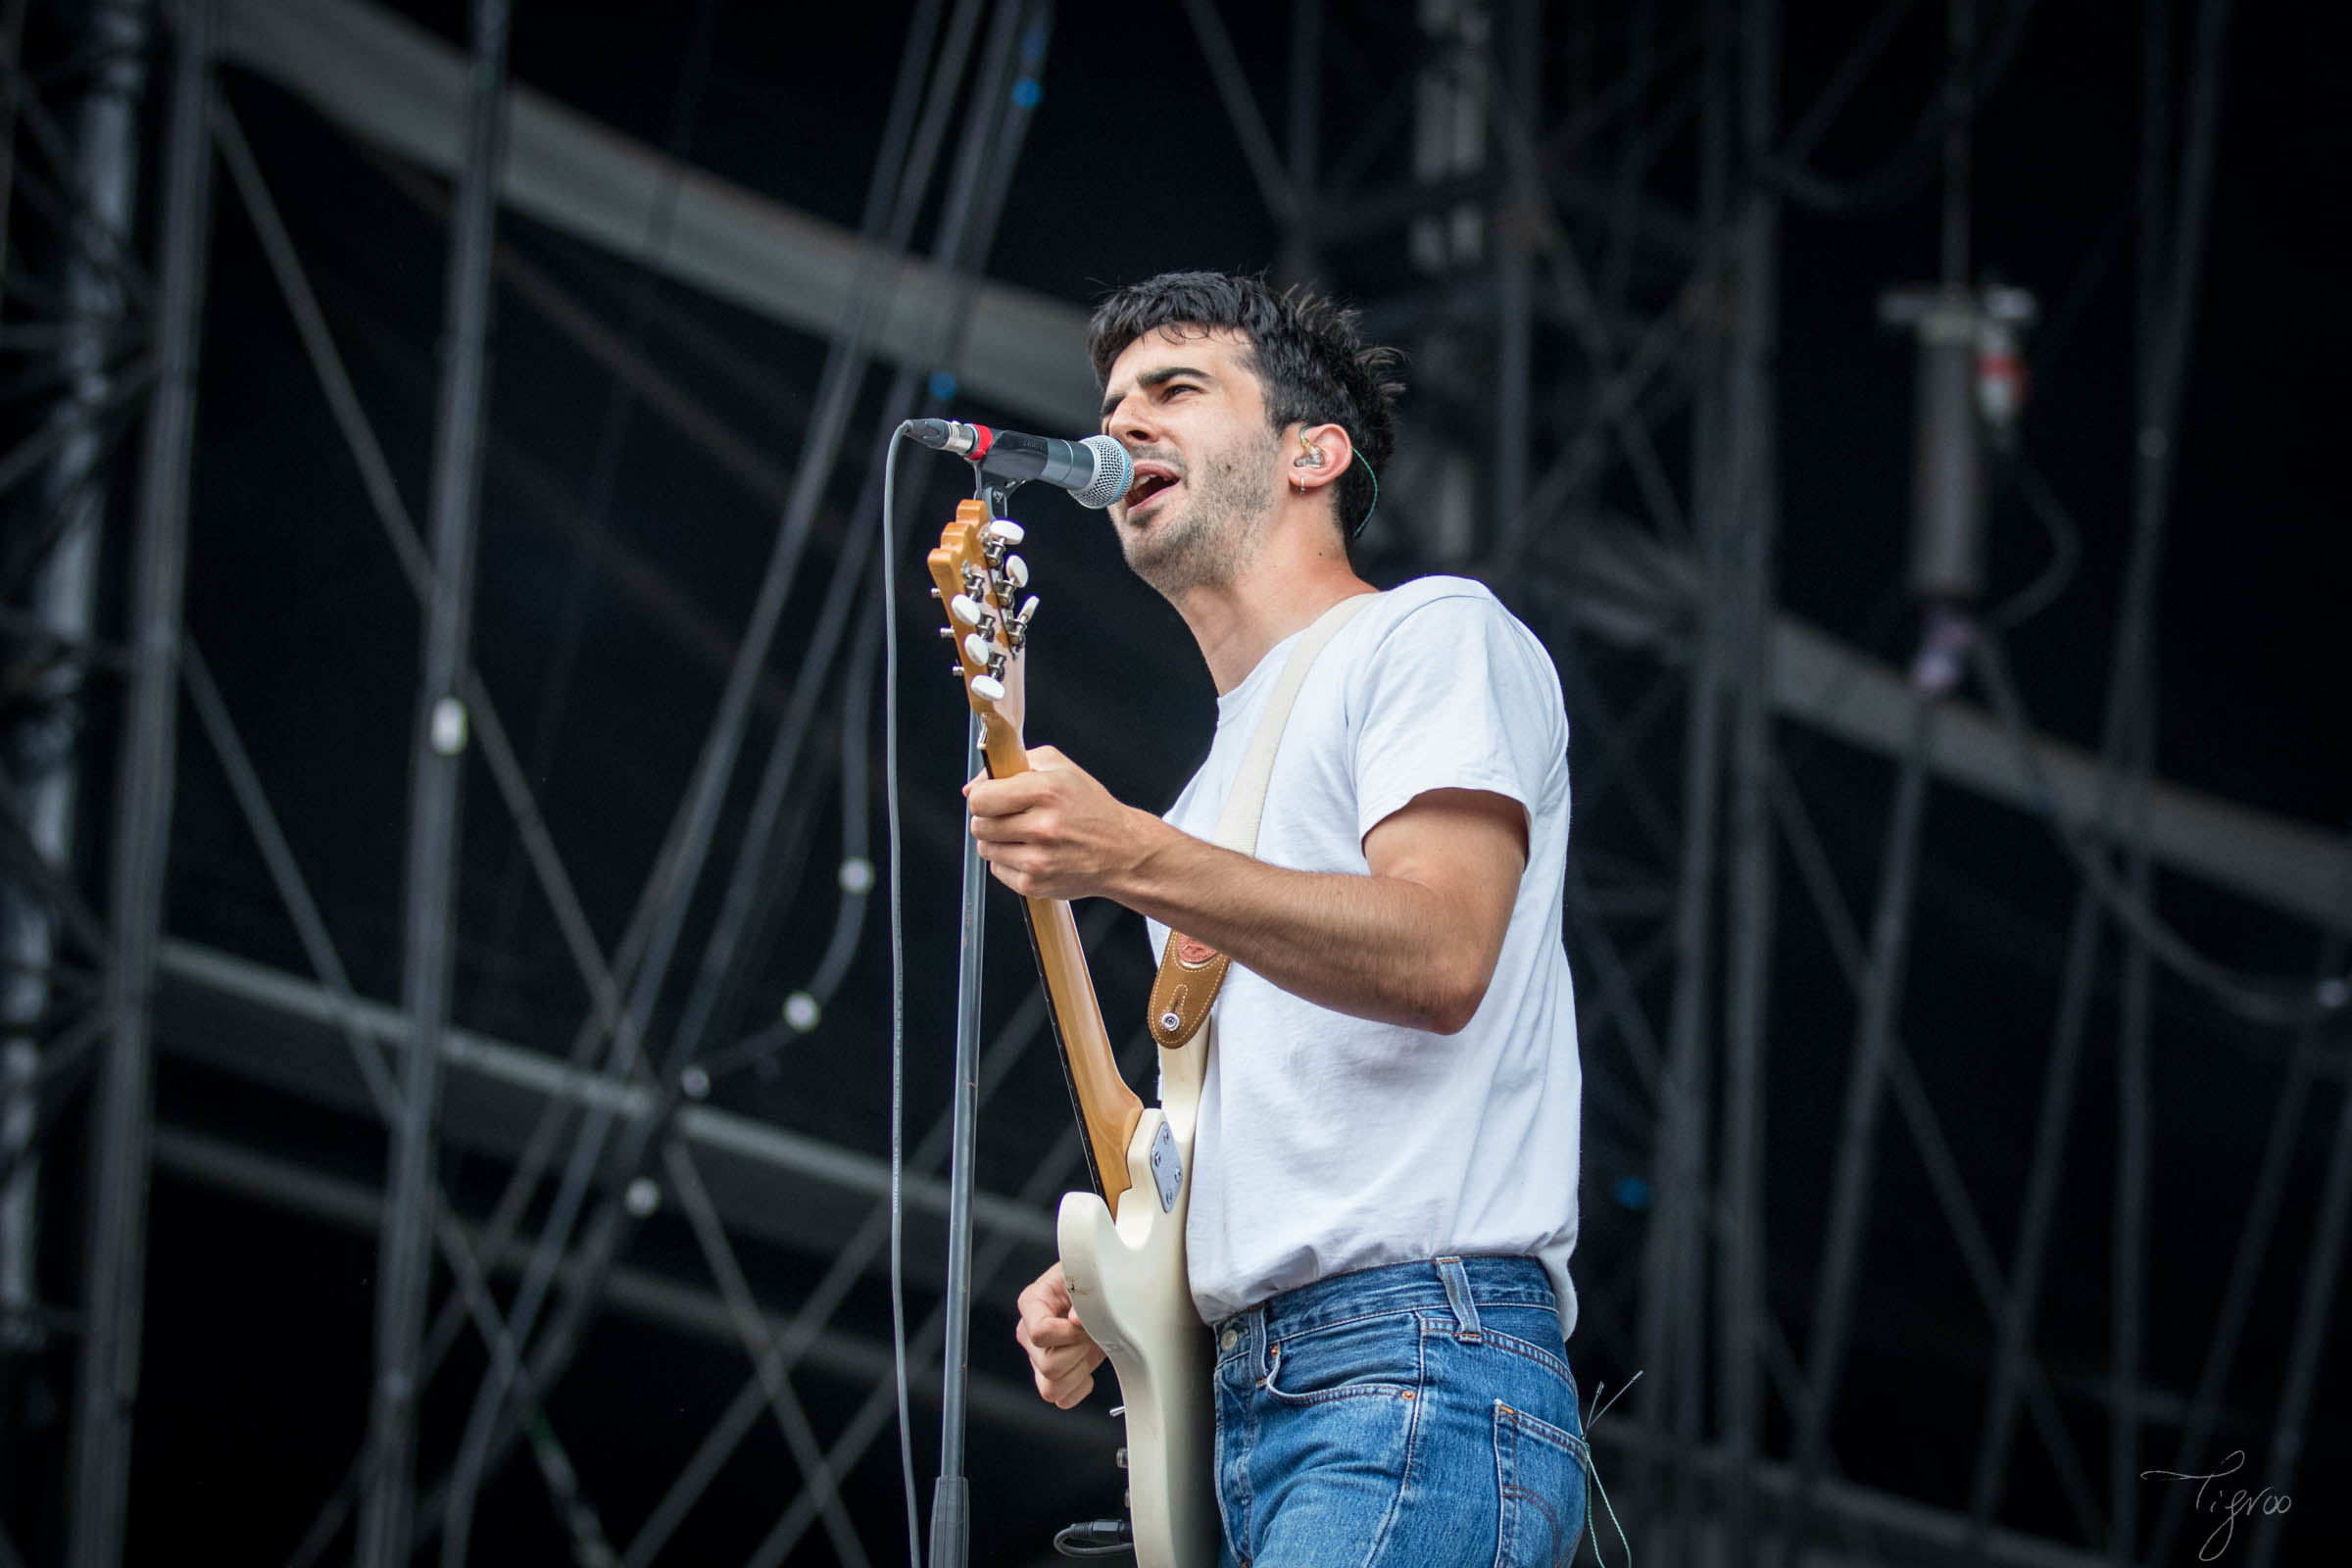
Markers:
<point>1115,472</point>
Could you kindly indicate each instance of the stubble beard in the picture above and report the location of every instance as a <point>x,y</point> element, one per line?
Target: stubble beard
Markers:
<point>1222,527</point>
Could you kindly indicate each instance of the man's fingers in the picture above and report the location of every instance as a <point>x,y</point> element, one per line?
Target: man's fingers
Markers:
<point>1055,1333</point>
<point>1059,1366</point>
<point>1063,1356</point>
<point>1063,1392</point>
<point>1013,829</point>
<point>1002,797</point>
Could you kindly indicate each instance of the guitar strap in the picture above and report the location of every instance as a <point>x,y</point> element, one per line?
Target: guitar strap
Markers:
<point>1191,972</point>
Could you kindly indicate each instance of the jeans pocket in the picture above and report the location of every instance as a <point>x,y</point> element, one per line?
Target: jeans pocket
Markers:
<point>1372,1357</point>
<point>1533,1334</point>
<point>1539,1470</point>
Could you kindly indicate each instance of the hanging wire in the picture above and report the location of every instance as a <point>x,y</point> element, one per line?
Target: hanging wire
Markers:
<point>1905,171</point>
<point>2066,550</point>
<point>806,1006</point>
<point>2263,999</point>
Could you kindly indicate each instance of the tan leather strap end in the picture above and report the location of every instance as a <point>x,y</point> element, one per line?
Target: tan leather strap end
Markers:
<point>1191,973</point>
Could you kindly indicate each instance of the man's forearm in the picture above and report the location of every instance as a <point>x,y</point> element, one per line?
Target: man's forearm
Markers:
<point>1413,943</point>
<point>1383,948</point>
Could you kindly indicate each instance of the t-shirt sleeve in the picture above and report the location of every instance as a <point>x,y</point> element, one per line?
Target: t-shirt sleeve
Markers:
<point>1456,694</point>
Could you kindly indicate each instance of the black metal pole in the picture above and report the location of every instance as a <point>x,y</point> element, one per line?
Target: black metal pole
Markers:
<point>59,545</point>
<point>1306,128</point>
<point>100,1484</point>
<point>2246,1264</point>
<point>1519,65</point>
<point>1672,1335</point>
<point>1851,1189</point>
<point>950,1495</point>
<point>437,773</point>
<point>2315,1314</point>
<point>1748,928</point>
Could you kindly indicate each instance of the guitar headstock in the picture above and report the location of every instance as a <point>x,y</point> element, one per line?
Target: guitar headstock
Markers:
<point>981,585</point>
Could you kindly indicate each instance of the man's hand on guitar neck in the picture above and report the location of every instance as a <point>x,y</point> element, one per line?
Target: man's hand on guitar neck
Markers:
<point>1061,1353</point>
<point>1054,832</point>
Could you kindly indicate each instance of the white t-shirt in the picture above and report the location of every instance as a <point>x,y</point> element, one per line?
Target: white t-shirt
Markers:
<point>1328,1144</point>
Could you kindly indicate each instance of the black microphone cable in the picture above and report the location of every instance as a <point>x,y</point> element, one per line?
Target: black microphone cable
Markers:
<point>898,984</point>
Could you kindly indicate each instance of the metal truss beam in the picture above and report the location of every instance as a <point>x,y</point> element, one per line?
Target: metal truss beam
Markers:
<point>357,1208</point>
<point>791,1189</point>
<point>396,87</point>
<point>115,1293</point>
<point>54,550</point>
<point>1911,1534</point>
<point>1634,591</point>
<point>436,770</point>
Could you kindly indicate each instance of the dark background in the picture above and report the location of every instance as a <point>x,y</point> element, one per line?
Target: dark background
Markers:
<point>258,1323</point>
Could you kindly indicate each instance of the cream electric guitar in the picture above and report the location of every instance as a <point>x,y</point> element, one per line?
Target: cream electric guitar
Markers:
<point>1122,1244</point>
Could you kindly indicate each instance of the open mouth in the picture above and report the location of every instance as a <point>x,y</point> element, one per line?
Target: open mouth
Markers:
<point>1152,480</point>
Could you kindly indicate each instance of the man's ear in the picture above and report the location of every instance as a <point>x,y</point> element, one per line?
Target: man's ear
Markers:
<point>1322,454</point>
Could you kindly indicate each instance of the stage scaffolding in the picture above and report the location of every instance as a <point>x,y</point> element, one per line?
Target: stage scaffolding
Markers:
<point>1596,329</point>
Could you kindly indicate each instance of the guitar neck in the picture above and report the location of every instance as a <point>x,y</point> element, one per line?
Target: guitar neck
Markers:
<point>1107,1110</point>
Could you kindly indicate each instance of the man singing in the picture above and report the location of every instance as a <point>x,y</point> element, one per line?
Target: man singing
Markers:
<point>1384,1197</point>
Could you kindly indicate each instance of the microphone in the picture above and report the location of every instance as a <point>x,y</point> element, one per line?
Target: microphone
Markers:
<point>1096,471</point>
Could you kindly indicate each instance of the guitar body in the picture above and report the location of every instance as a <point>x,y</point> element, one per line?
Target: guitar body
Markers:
<point>1122,1244</point>
<point>1129,1286</point>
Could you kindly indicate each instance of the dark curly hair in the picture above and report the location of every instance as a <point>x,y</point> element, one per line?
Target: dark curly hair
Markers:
<point>1303,347</point>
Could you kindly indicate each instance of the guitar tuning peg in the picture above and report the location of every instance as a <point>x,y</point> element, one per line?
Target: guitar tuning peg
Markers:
<point>947,631</point>
<point>1007,530</point>
<point>988,688</point>
<point>1016,570</point>
<point>1016,631</point>
<point>965,608</point>
<point>979,649</point>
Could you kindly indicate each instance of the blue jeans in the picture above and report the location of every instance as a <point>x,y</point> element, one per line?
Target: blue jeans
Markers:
<point>1420,1415</point>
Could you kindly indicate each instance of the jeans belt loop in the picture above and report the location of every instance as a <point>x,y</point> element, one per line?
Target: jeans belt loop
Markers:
<point>1457,1296</point>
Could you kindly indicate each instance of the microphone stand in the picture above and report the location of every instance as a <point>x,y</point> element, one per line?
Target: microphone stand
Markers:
<point>950,1495</point>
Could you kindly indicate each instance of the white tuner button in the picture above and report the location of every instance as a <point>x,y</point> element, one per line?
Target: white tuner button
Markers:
<point>1007,530</point>
<point>978,649</point>
<point>988,688</point>
<point>1016,570</point>
<point>1028,610</point>
<point>965,608</point>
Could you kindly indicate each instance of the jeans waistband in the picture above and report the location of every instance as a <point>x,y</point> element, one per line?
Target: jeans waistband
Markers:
<point>1459,1285</point>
